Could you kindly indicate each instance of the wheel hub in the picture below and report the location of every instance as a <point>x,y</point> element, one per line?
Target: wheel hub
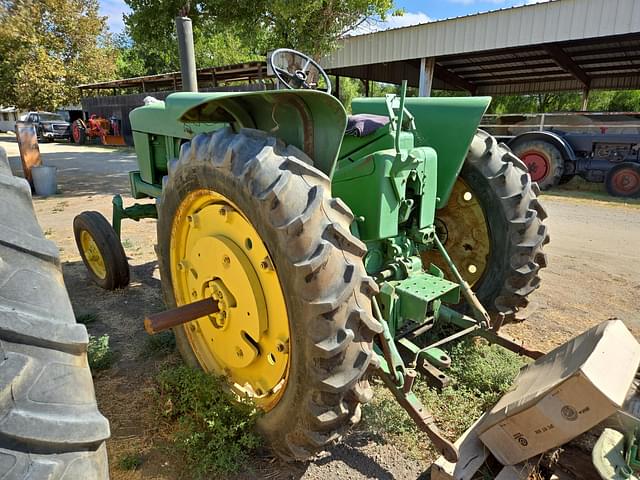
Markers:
<point>462,228</point>
<point>537,164</point>
<point>626,181</point>
<point>92,254</point>
<point>216,253</point>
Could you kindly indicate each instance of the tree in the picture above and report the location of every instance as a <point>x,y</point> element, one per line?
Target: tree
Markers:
<point>232,31</point>
<point>48,47</point>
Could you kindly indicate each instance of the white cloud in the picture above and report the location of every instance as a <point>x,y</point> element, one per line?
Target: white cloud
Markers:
<point>406,20</point>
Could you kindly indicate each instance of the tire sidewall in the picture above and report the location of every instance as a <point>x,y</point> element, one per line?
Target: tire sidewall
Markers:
<point>185,180</point>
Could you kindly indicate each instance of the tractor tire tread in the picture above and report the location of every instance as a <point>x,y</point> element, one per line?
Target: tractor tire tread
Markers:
<point>320,264</point>
<point>50,426</point>
<point>518,272</point>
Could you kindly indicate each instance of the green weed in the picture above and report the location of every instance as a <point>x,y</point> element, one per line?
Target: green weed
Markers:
<point>129,461</point>
<point>126,243</point>
<point>481,373</point>
<point>99,353</point>
<point>160,344</point>
<point>215,431</point>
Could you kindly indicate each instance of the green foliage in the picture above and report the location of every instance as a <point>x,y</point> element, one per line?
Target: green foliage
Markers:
<point>599,101</point>
<point>483,368</point>
<point>47,48</point>
<point>232,31</point>
<point>481,374</point>
<point>98,352</point>
<point>216,430</point>
<point>129,461</point>
<point>160,344</point>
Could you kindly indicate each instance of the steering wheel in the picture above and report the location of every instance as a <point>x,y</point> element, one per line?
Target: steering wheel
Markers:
<point>296,70</point>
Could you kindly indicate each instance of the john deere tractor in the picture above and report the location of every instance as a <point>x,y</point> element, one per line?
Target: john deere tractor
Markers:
<point>297,259</point>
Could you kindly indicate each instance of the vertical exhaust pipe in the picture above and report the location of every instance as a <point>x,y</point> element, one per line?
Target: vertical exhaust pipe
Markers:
<point>187,55</point>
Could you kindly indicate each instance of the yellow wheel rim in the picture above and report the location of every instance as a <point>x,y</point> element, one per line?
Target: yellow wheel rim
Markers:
<point>463,227</point>
<point>216,253</point>
<point>92,255</point>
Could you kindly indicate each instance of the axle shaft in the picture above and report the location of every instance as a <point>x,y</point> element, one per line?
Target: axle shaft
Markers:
<point>159,322</point>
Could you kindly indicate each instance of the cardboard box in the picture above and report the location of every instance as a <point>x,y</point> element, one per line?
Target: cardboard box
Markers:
<point>562,394</point>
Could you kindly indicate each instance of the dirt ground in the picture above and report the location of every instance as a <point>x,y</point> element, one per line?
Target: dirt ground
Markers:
<point>593,275</point>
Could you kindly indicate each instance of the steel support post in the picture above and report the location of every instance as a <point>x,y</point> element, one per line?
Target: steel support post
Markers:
<point>427,66</point>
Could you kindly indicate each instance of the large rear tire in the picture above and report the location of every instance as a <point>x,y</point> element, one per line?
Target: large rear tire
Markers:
<point>50,426</point>
<point>492,227</point>
<point>624,180</point>
<point>78,133</point>
<point>273,191</point>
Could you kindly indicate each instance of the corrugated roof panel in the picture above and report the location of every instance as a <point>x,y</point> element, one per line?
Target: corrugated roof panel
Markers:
<point>554,21</point>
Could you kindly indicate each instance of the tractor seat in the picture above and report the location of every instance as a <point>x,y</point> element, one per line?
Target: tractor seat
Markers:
<point>364,124</point>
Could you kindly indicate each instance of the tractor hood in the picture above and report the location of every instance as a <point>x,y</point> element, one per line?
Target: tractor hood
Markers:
<point>312,121</point>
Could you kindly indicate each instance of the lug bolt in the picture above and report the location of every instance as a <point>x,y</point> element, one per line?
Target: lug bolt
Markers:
<point>194,294</point>
<point>239,352</point>
<point>223,211</point>
<point>281,347</point>
<point>265,264</point>
<point>226,260</point>
<point>259,392</point>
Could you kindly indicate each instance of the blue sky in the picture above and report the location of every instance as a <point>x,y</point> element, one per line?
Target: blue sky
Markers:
<point>417,11</point>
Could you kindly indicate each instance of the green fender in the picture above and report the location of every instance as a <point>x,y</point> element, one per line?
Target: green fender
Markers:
<point>447,124</point>
<point>312,121</point>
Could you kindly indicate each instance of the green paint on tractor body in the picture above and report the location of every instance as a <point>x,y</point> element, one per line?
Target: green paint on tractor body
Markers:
<point>393,179</point>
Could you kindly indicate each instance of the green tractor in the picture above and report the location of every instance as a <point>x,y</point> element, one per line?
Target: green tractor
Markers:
<point>297,260</point>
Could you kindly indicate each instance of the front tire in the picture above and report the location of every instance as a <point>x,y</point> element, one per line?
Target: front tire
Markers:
<point>318,263</point>
<point>101,250</point>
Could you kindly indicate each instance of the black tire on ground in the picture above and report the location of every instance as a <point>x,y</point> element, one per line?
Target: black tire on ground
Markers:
<point>624,180</point>
<point>50,425</point>
<point>82,134</point>
<point>319,263</point>
<point>110,247</point>
<point>544,160</point>
<point>514,216</point>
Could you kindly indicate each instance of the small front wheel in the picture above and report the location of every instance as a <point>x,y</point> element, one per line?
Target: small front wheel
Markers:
<point>101,250</point>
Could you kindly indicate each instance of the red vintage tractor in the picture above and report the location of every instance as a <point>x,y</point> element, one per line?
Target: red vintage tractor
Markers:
<point>96,127</point>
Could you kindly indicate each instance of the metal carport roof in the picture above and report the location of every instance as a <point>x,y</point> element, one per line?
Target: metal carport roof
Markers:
<point>550,46</point>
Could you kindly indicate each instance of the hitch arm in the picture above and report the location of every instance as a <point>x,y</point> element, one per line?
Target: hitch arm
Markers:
<point>400,380</point>
<point>422,417</point>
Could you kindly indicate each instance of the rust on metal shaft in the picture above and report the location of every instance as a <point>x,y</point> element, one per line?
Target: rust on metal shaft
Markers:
<point>159,322</point>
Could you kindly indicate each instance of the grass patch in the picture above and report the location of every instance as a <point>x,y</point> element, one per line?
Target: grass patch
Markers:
<point>481,373</point>
<point>86,318</point>
<point>161,343</point>
<point>215,431</point>
<point>99,353</point>
<point>129,461</point>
